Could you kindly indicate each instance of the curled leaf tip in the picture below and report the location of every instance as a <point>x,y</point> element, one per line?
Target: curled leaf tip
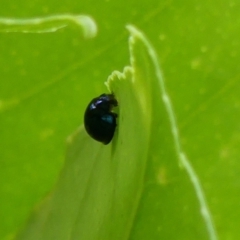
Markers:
<point>88,24</point>
<point>49,24</point>
<point>134,31</point>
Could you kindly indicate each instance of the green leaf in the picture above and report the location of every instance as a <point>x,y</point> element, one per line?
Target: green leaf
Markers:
<point>100,186</point>
<point>56,74</point>
<point>166,203</point>
<point>15,100</point>
<point>124,190</point>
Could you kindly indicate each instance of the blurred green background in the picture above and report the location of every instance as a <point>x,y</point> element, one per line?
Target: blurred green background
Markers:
<point>54,75</point>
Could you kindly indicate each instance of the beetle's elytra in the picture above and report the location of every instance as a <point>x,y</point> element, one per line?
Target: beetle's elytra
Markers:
<point>99,120</point>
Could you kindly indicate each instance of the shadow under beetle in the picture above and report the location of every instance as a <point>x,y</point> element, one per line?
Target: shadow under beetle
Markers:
<point>99,120</point>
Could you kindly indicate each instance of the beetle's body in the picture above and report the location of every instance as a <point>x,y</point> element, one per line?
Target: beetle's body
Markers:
<point>99,121</point>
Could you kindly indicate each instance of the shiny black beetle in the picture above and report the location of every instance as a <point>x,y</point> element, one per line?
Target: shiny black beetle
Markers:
<point>99,120</point>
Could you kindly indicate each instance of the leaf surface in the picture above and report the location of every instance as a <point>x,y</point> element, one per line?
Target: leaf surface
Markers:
<point>58,73</point>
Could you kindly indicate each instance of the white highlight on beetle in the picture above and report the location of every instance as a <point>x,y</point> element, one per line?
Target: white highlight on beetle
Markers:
<point>49,24</point>
<point>204,210</point>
